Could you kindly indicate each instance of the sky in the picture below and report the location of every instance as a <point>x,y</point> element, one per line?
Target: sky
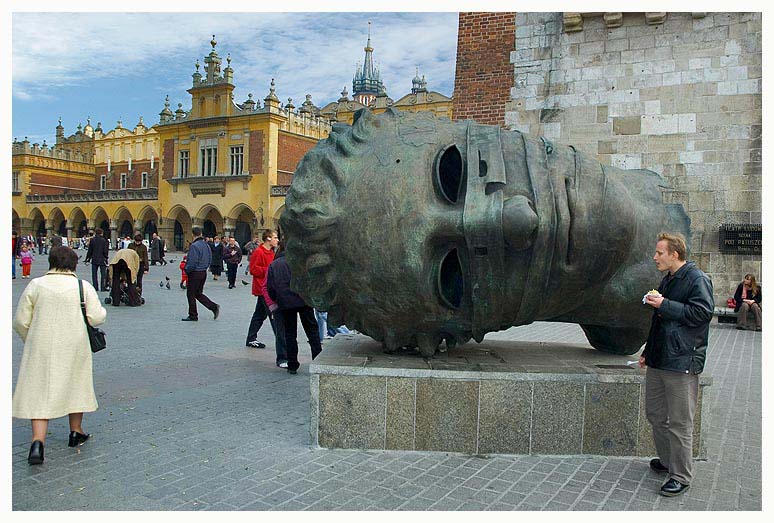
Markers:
<point>111,66</point>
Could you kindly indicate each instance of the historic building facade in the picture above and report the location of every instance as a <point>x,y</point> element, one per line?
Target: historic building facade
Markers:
<point>676,93</point>
<point>221,165</point>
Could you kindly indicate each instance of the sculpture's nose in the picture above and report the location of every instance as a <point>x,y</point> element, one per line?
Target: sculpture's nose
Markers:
<point>519,222</point>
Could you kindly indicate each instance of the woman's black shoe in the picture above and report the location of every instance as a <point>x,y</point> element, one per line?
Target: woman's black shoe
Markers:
<point>76,438</point>
<point>36,453</point>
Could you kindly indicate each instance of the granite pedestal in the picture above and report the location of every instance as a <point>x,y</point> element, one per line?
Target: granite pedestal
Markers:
<point>497,397</point>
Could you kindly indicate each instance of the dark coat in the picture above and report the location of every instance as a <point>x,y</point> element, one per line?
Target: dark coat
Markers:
<point>738,296</point>
<point>679,329</point>
<point>156,249</point>
<point>278,284</point>
<point>217,254</point>
<point>97,253</point>
<point>232,259</point>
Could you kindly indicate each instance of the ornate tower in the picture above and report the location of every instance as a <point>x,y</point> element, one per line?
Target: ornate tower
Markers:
<point>367,83</point>
<point>211,94</point>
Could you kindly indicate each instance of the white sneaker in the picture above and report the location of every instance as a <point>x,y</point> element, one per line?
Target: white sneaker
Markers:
<point>256,344</point>
<point>283,365</point>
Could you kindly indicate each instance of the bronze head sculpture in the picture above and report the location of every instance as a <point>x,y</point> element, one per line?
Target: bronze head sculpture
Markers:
<point>416,230</point>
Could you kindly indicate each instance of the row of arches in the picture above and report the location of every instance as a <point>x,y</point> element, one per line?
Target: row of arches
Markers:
<point>241,222</point>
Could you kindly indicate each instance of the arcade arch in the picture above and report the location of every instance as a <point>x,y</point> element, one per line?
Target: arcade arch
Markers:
<point>77,222</point>
<point>56,219</point>
<point>37,222</point>
<point>99,218</point>
<point>243,219</point>
<point>149,220</point>
<point>211,219</point>
<point>124,222</point>
<point>181,232</point>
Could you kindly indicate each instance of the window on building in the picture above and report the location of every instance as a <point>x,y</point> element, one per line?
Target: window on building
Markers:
<point>184,164</point>
<point>208,152</point>
<point>123,180</point>
<point>16,186</point>
<point>103,182</point>
<point>237,154</point>
<point>144,180</point>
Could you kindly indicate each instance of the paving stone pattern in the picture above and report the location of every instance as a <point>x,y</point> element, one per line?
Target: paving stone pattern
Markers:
<point>191,419</point>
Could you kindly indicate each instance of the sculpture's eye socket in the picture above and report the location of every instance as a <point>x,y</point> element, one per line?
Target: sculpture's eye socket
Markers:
<point>450,174</point>
<point>450,280</point>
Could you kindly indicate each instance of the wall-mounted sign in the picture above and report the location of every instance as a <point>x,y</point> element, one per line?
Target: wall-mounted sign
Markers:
<point>280,190</point>
<point>740,238</point>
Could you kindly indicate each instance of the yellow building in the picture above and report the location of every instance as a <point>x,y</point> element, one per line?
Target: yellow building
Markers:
<point>221,165</point>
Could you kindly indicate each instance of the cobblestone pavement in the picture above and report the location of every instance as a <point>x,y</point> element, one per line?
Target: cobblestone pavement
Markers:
<point>191,419</point>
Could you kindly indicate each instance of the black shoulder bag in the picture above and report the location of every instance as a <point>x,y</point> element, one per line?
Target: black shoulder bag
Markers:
<point>96,336</point>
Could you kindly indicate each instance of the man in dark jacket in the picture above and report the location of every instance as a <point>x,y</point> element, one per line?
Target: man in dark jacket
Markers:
<point>97,254</point>
<point>198,260</point>
<point>232,256</point>
<point>155,249</point>
<point>289,304</point>
<point>674,354</point>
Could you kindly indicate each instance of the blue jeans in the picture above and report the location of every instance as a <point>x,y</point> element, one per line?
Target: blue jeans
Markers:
<point>322,323</point>
<point>13,265</point>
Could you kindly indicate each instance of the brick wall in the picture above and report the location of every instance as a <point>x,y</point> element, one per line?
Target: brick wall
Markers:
<point>484,74</point>
<point>168,159</point>
<point>290,150</point>
<point>681,97</point>
<point>255,152</point>
<point>58,181</point>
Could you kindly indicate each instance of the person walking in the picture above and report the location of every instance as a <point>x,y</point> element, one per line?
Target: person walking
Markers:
<point>216,265</point>
<point>98,255</point>
<point>162,250</point>
<point>155,248</point>
<point>55,376</point>
<point>142,251</point>
<point>291,306</point>
<point>260,260</point>
<point>748,299</point>
<point>26,257</point>
<point>674,355</point>
<point>249,248</point>
<point>232,256</point>
<point>42,244</point>
<point>15,250</point>
<point>198,259</point>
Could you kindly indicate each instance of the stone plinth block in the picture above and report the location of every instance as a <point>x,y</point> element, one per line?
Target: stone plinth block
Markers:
<point>497,397</point>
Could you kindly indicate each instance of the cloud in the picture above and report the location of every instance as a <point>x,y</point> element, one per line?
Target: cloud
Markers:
<point>312,53</point>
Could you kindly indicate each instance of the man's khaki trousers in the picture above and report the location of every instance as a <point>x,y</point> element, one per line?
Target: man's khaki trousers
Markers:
<point>670,404</point>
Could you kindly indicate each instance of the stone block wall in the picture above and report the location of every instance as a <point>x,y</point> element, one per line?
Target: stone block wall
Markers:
<point>677,93</point>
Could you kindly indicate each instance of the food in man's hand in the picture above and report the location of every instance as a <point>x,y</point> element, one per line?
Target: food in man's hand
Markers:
<point>652,292</point>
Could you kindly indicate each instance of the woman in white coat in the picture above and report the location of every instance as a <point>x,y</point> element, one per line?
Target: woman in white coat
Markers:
<point>55,375</point>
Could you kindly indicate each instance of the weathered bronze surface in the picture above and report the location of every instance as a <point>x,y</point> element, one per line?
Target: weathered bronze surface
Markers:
<point>414,230</point>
